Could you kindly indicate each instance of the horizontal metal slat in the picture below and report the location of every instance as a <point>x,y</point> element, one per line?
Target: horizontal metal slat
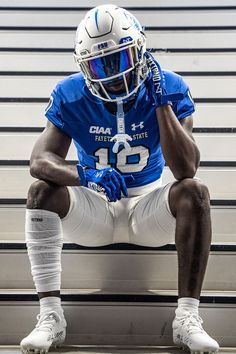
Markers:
<point>22,114</point>
<point>12,222</point>
<point>155,39</point>
<point>202,130</point>
<point>213,147</point>
<point>129,8</point>
<point>213,202</point>
<point>92,296</point>
<point>147,28</point>
<point>70,50</point>
<point>31,114</point>
<point>68,73</point>
<point>213,178</point>
<point>190,28</point>
<point>17,181</point>
<point>41,86</point>
<point>148,17</point>
<point>205,62</point>
<point>135,324</point>
<point>117,248</point>
<point>196,62</point>
<point>26,142</point>
<point>119,270</point>
<point>45,100</point>
<point>18,163</point>
<point>92,3</point>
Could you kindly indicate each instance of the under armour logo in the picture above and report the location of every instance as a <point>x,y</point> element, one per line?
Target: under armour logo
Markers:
<point>134,126</point>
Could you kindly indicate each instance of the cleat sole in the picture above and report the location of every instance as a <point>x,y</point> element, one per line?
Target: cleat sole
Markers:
<point>34,351</point>
<point>186,349</point>
<point>43,351</point>
<point>55,345</point>
<point>203,352</point>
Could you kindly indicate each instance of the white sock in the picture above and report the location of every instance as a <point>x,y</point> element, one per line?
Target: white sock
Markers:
<point>44,243</point>
<point>187,304</point>
<point>50,303</point>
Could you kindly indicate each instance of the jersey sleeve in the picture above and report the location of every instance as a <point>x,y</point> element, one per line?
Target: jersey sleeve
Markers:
<point>53,109</point>
<point>186,106</point>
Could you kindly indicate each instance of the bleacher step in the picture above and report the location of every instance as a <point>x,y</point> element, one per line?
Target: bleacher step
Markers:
<point>18,180</point>
<point>12,220</point>
<point>118,267</point>
<point>213,146</point>
<point>166,39</point>
<point>31,114</point>
<point>118,319</point>
<point>41,85</point>
<point>17,61</point>
<point>133,3</point>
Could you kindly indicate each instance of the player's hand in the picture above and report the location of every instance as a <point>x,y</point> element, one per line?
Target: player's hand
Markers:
<point>158,87</point>
<point>106,180</point>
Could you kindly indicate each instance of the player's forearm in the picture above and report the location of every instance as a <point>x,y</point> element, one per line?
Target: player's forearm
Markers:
<point>53,168</point>
<point>180,151</point>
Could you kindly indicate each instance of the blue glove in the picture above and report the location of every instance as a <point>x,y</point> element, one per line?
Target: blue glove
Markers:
<point>106,180</point>
<point>158,90</point>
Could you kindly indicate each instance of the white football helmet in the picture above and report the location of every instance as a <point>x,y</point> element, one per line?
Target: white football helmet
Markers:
<point>109,47</point>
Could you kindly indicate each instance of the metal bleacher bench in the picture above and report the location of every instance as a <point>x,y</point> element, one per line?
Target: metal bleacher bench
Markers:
<point>136,286</point>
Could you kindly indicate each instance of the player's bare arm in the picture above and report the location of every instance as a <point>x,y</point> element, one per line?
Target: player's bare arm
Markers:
<point>48,158</point>
<point>178,146</point>
<point>48,163</point>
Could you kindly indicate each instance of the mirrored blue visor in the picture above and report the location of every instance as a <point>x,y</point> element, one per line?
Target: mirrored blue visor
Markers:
<point>110,65</point>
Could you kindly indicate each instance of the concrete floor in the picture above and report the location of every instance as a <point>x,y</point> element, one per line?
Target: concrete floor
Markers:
<point>110,350</point>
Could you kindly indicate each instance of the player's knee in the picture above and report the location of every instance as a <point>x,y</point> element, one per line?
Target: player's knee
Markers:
<point>193,194</point>
<point>48,196</point>
<point>38,194</point>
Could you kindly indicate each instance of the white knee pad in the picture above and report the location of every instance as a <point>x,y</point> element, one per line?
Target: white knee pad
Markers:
<point>44,243</point>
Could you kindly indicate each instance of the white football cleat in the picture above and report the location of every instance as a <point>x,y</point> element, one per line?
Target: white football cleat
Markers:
<point>50,331</point>
<point>189,334</point>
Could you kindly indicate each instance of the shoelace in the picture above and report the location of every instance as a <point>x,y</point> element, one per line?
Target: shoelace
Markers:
<point>47,321</point>
<point>192,323</point>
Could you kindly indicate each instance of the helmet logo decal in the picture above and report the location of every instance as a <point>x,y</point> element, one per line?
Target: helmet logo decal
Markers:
<point>103,45</point>
<point>126,40</point>
<point>133,20</point>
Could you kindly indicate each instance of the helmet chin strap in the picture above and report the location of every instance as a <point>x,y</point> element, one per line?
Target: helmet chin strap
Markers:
<point>121,138</point>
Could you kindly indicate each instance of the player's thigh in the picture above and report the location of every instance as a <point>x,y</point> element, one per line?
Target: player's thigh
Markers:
<point>89,221</point>
<point>152,223</point>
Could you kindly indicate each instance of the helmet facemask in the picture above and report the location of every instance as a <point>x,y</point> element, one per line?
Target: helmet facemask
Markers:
<point>124,64</point>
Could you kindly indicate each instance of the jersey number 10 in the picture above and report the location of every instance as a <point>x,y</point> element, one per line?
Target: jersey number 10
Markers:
<point>124,159</point>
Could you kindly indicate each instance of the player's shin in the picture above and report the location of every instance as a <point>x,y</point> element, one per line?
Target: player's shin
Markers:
<point>44,244</point>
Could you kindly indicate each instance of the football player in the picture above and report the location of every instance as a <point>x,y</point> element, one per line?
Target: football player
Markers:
<point>126,117</point>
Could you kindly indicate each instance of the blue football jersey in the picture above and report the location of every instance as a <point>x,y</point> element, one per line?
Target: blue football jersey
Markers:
<point>85,118</point>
